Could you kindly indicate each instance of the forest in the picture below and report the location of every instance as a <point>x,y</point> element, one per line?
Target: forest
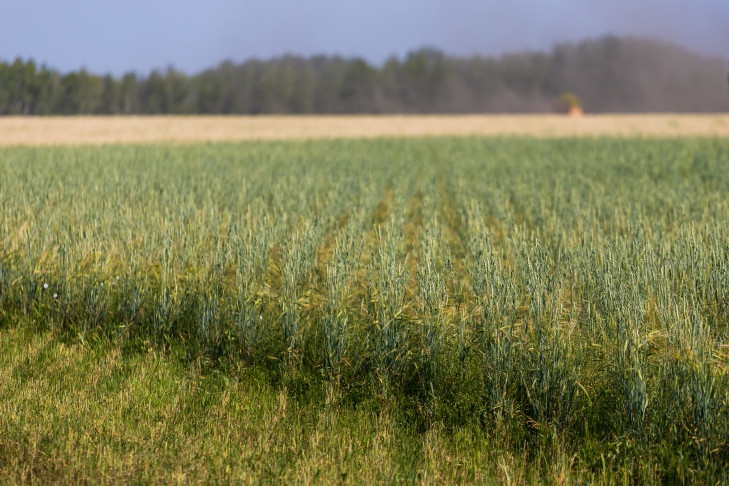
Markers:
<point>607,74</point>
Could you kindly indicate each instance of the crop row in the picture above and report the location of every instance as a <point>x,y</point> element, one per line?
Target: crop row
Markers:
<point>580,286</point>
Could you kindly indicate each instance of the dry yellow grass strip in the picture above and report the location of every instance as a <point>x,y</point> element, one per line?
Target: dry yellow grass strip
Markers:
<point>97,130</point>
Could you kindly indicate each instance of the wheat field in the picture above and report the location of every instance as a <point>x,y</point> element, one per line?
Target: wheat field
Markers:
<point>433,310</point>
<point>136,129</point>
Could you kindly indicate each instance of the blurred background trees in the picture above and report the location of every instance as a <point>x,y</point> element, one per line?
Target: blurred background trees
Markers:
<point>609,74</point>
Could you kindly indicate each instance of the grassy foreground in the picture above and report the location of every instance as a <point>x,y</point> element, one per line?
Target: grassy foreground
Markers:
<point>511,310</point>
<point>73,413</point>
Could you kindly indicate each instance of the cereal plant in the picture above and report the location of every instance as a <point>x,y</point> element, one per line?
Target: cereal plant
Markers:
<point>565,293</point>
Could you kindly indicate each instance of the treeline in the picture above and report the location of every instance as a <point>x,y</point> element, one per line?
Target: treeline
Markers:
<point>607,74</point>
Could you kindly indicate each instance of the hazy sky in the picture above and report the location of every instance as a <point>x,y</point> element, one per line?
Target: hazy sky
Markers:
<point>139,35</point>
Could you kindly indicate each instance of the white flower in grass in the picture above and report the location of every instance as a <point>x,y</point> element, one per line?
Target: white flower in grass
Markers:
<point>55,296</point>
<point>45,286</point>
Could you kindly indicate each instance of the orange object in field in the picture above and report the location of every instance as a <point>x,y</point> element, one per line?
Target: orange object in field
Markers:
<point>576,111</point>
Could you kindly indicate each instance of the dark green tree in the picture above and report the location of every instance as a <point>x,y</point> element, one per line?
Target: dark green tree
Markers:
<point>608,74</point>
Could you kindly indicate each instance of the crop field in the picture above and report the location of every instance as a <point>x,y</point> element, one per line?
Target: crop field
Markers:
<point>190,129</point>
<point>475,309</point>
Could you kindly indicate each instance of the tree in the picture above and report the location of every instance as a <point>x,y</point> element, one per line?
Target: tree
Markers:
<point>128,95</point>
<point>109,102</point>
<point>610,74</point>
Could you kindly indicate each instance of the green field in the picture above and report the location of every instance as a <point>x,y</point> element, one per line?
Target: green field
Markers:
<point>391,310</point>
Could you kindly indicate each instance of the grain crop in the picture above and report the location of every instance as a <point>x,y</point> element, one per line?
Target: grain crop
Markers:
<point>558,293</point>
<point>75,130</point>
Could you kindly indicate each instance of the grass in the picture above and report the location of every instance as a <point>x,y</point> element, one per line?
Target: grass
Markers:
<point>79,413</point>
<point>400,310</point>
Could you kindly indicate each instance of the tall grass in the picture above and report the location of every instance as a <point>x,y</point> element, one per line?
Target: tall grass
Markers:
<point>569,293</point>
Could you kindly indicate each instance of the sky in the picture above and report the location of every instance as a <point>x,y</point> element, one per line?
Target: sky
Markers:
<point>115,36</point>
